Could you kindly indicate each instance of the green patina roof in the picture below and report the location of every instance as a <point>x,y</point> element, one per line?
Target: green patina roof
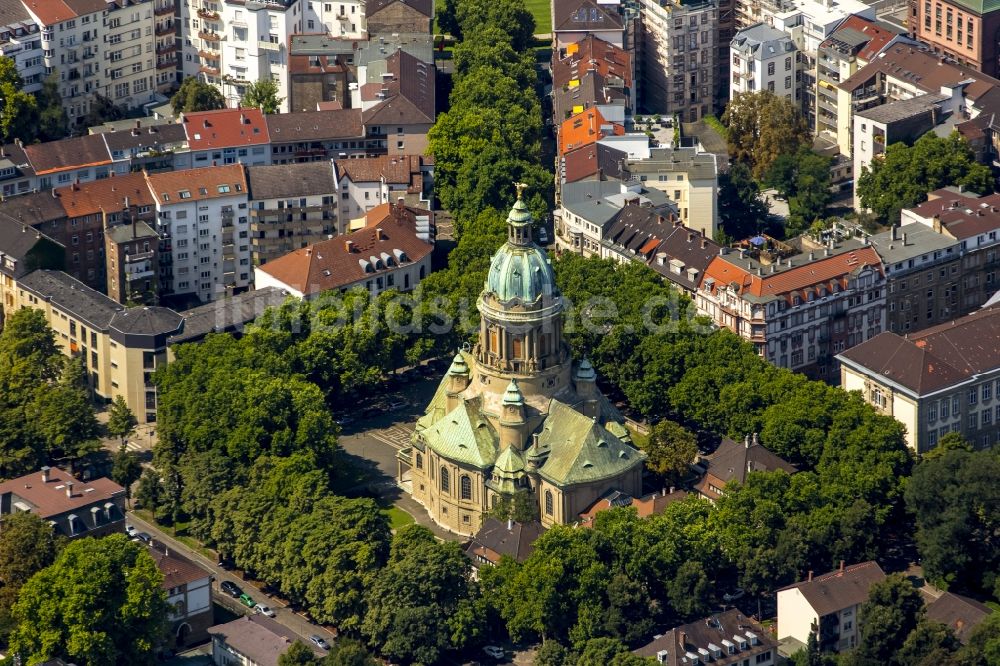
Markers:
<point>509,462</point>
<point>980,6</point>
<point>464,435</point>
<point>580,449</point>
<point>512,396</point>
<point>458,365</point>
<point>519,214</point>
<point>520,272</point>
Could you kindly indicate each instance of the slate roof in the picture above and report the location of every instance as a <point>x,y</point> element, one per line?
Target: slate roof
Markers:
<point>49,499</point>
<point>963,215</point>
<point>960,614</point>
<point>147,321</point>
<point>688,250</point>
<point>160,135</point>
<point>32,208</point>
<point>935,358</point>
<point>497,538</point>
<point>732,461</point>
<point>599,202</point>
<point>314,125</point>
<point>177,570</point>
<point>584,16</point>
<point>839,589</point>
<point>17,241</point>
<point>227,314</point>
<point>711,632</point>
<point>330,265</point>
<point>72,296</point>
<point>13,11</point>
<point>410,93</point>
<point>287,181</point>
<point>592,160</point>
<point>225,128</point>
<point>425,7</point>
<point>107,194</point>
<point>66,154</point>
<point>577,449</point>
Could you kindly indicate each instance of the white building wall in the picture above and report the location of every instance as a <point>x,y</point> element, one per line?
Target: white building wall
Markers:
<point>795,616</point>
<point>131,57</point>
<point>340,18</point>
<point>23,43</point>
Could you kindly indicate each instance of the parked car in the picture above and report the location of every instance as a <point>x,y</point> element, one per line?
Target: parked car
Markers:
<point>247,601</point>
<point>263,610</point>
<point>232,589</point>
<point>144,537</point>
<point>130,530</point>
<point>734,595</point>
<point>319,642</point>
<point>494,652</point>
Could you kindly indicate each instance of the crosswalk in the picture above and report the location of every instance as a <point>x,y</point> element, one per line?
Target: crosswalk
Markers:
<point>133,446</point>
<point>397,436</point>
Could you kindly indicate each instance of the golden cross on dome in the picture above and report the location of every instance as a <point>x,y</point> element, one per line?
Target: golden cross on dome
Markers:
<point>520,187</point>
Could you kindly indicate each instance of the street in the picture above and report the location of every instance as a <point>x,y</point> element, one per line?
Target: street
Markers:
<point>298,626</point>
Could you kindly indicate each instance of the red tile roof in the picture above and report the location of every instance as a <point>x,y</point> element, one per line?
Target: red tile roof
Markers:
<point>177,570</point>
<point>398,170</point>
<point>820,272</point>
<point>167,186</point>
<point>66,154</point>
<point>50,12</point>
<point>645,506</point>
<point>331,264</point>
<point>592,53</point>
<point>878,36</point>
<point>107,194</point>
<point>50,499</point>
<point>585,128</point>
<point>225,128</point>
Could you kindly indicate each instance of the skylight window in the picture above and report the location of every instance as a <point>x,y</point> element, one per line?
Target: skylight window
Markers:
<point>184,194</point>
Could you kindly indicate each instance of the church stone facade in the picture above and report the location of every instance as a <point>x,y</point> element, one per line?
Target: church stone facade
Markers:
<point>516,414</point>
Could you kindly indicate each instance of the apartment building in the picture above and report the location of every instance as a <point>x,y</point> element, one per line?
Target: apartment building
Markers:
<point>393,251</point>
<point>293,206</point>
<point>678,62</point>
<point>589,209</point>
<point>22,250</point>
<point>396,96</point>
<point>189,597</point>
<point>688,177</point>
<point>614,67</point>
<point>343,19</point>
<point>764,58</point>
<point>234,44</point>
<point>130,76</point>
<point>318,72</point>
<point>308,136</point>
<point>225,136</point>
<point>961,29</point>
<point>120,347</point>
<point>204,225</point>
<point>133,264</point>
<point>727,639</point>
<point>366,183</point>
<point>575,20</point>
<point>798,305</point>
<point>387,17</point>
<point>73,508</point>
<point>167,40</point>
<point>852,46</point>
<point>21,40</point>
<point>942,379</point>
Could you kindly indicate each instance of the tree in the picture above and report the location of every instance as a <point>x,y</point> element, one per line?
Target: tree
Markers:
<point>894,609</point>
<point>125,469</point>
<point>101,602</point>
<point>742,211</point>
<point>53,122</point>
<point>121,420</point>
<point>956,502</point>
<point>298,654</point>
<point>149,494</point>
<point>903,175</point>
<point>952,441</point>
<point>983,647</point>
<point>760,126</point>
<point>28,546</point>
<point>103,110</point>
<point>18,109</point>
<point>552,653</point>
<point>671,448</point>
<point>349,652</point>
<point>804,179</point>
<point>64,415</point>
<point>195,95</point>
<point>263,94</point>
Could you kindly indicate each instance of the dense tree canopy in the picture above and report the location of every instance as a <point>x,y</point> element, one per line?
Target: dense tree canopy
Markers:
<point>263,94</point>
<point>804,179</point>
<point>761,126</point>
<point>904,175</point>
<point>195,95</point>
<point>28,546</point>
<point>101,603</point>
<point>18,109</point>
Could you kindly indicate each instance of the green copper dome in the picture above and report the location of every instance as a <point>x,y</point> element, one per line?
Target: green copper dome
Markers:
<point>520,270</point>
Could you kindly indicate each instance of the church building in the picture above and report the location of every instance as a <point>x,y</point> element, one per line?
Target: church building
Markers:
<point>515,414</point>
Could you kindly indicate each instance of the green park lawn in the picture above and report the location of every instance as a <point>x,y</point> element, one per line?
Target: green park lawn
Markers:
<point>542,13</point>
<point>397,517</point>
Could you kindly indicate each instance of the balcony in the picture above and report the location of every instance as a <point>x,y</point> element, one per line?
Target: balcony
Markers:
<point>169,63</point>
<point>138,256</point>
<point>864,95</point>
<point>208,15</point>
<point>164,29</point>
<point>163,49</point>
<point>208,55</point>
<point>139,275</point>
<point>205,69</point>
<point>210,36</point>
<point>268,46</point>
<point>163,10</point>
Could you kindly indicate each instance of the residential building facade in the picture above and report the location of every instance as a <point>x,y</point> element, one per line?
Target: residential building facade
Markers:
<point>21,40</point>
<point>764,58</point>
<point>688,177</point>
<point>728,639</point>
<point>940,380</point>
<point>189,597</point>
<point>961,29</point>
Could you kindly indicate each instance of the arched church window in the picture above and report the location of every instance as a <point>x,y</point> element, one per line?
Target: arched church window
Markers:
<point>548,502</point>
<point>445,480</point>
<point>466,484</point>
<point>420,461</point>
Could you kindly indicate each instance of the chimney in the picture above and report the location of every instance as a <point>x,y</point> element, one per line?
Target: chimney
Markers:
<point>45,473</point>
<point>842,566</point>
<point>812,256</point>
<point>379,235</point>
<point>400,201</point>
<point>810,579</point>
<point>746,441</point>
<point>69,489</point>
<point>672,489</point>
<point>754,441</point>
<point>682,638</point>
<point>892,232</point>
<point>349,246</point>
<point>904,240</point>
<point>663,493</point>
<point>204,123</point>
<point>704,243</point>
<point>826,251</point>
<point>243,119</point>
<point>510,524</point>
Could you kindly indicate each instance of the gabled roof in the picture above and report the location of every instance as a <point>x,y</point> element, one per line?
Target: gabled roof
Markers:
<point>66,154</point>
<point>839,589</point>
<point>51,12</point>
<point>144,137</point>
<point>177,570</point>
<point>107,195</point>
<point>73,296</point>
<point>172,187</point>
<point>33,208</point>
<point>286,181</point>
<point>389,241</point>
<point>935,358</point>
<point>497,538</point>
<point>686,255</point>
<point>577,449</point>
<point>593,160</point>
<point>592,54</point>
<point>587,91</point>
<point>584,16</point>
<point>962,214</point>
<point>425,7</point>
<point>19,243</point>
<point>410,93</point>
<point>394,169</point>
<point>225,128</point>
<point>259,638</point>
<point>50,498</point>
<point>645,506</point>
<point>585,128</point>
<point>709,633</point>
<point>464,435</point>
<point>960,614</point>
<point>314,125</point>
<point>732,461</point>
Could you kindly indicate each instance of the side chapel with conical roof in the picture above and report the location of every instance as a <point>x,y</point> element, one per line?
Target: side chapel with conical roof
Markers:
<point>516,414</point>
